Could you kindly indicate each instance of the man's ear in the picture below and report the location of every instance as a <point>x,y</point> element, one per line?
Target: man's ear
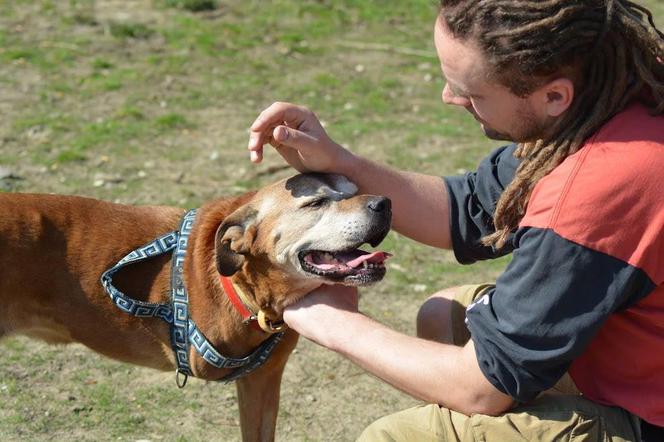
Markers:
<point>557,96</point>
<point>234,239</point>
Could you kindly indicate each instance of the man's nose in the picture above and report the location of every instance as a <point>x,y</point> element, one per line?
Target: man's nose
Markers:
<point>449,98</point>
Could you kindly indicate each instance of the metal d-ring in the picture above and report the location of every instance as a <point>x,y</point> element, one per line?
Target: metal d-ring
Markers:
<point>267,325</point>
<point>181,378</point>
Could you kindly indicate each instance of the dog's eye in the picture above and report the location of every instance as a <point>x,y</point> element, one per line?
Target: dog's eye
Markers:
<point>318,202</point>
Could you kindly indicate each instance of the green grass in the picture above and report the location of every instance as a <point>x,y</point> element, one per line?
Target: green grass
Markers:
<point>130,30</point>
<point>159,95</point>
<point>192,5</point>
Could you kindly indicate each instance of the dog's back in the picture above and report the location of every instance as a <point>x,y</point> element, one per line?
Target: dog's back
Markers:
<point>53,251</point>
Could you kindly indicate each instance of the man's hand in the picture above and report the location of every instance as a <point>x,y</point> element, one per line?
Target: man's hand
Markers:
<point>427,370</point>
<point>318,315</point>
<point>419,202</point>
<point>298,136</point>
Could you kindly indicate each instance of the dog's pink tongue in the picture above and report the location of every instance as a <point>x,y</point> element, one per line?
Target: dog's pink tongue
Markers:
<point>374,258</point>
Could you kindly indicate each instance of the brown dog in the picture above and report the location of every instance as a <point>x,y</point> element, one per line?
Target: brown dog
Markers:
<point>276,244</point>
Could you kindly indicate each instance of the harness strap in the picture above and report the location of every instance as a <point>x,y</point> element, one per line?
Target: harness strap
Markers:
<point>184,331</point>
<point>180,298</point>
<point>131,306</point>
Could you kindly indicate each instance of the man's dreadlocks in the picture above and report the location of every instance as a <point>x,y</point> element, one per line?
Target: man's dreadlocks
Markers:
<point>612,48</point>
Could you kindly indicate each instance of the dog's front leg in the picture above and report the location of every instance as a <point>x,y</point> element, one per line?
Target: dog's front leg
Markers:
<point>258,394</point>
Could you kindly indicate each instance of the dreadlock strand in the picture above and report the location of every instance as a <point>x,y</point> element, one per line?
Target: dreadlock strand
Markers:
<point>544,6</point>
<point>648,14</point>
<point>611,49</point>
<point>550,21</point>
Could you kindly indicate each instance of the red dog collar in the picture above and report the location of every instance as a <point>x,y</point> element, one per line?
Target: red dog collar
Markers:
<point>244,306</point>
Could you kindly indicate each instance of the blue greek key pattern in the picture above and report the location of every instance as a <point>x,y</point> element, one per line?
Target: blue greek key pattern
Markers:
<point>184,331</point>
<point>179,296</point>
<point>257,358</point>
<point>160,245</point>
<point>134,307</point>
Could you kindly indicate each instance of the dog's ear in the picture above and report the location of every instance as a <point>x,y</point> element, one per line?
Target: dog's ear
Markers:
<point>233,240</point>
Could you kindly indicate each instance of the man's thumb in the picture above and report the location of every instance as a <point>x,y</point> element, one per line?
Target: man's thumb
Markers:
<point>292,137</point>
<point>280,134</point>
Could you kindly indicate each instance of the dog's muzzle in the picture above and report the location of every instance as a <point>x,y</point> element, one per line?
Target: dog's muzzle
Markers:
<point>351,265</point>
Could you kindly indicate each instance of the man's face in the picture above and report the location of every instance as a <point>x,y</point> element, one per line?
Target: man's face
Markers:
<point>502,114</point>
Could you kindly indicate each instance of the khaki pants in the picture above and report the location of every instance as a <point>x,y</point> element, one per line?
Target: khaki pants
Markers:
<point>561,414</point>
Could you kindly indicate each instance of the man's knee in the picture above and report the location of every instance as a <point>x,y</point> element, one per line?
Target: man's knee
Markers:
<point>379,431</point>
<point>424,423</point>
<point>435,316</point>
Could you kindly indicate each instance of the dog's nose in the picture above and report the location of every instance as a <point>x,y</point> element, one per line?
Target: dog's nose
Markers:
<point>379,204</point>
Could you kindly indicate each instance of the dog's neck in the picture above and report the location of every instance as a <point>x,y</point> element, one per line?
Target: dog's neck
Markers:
<point>210,307</point>
<point>268,288</point>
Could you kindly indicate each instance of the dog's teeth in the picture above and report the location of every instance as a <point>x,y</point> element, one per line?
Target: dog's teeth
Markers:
<point>366,265</point>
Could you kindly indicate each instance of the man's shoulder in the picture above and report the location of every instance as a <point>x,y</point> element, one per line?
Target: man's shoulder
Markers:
<point>608,196</point>
<point>635,124</point>
<point>617,170</point>
<point>626,155</point>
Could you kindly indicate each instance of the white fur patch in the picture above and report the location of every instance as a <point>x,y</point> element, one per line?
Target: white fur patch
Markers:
<point>267,205</point>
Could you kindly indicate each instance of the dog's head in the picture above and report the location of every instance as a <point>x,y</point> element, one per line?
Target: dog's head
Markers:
<point>308,229</point>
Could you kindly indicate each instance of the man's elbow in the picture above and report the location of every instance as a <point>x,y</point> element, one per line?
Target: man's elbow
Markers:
<point>492,403</point>
<point>479,396</point>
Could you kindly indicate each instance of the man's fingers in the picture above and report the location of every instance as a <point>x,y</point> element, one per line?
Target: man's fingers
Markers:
<point>264,117</point>
<point>255,146</point>
<point>256,156</point>
<point>278,113</point>
<point>256,141</point>
<point>278,125</point>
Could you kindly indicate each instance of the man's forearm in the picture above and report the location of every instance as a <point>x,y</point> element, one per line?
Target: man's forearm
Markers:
<point>430,371</point>
<point>419,202</point>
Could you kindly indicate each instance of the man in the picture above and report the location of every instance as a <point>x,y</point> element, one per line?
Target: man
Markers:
<point>578,85</point>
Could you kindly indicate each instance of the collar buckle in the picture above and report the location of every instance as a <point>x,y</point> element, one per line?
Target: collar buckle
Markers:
<point>249,319</point>
<point>247,308</point>
<point>269,326</point>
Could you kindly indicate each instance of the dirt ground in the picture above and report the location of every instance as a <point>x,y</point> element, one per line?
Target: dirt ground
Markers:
<point>145,102</point>
<point>148,102</point>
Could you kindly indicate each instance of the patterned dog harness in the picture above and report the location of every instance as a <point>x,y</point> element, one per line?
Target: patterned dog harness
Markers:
<point>183,329</point>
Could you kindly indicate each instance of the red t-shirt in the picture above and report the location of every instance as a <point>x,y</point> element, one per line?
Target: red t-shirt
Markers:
<point>584,291</point>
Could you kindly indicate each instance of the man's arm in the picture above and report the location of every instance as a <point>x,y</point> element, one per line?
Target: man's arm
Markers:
<point>419,202</point>
<point>430,371</point>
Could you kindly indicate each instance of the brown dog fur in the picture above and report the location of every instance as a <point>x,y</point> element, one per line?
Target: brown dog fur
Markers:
<point>54,249</point>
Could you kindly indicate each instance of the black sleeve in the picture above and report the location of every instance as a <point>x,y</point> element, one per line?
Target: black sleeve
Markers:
<point>546,308</point>
<point>472,203</point>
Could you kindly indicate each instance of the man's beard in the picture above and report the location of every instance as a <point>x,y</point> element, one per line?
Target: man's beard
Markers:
<point>493,134</point>
<point>528,129</point>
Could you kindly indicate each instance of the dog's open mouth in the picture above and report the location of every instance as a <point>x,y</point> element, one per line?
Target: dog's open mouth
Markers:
<point>353,266</point>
